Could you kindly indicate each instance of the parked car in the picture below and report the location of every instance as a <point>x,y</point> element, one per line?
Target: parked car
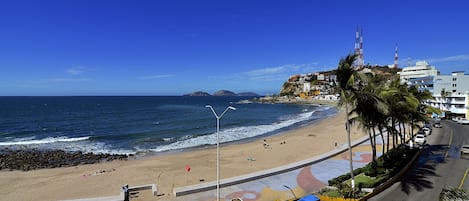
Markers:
<point>437,125</point>
<point>463,121</point>
<point>465,149</point>
<point>428,125</point>
<point>427,130</point>
<point>420,139</point>
<point>421,132</point>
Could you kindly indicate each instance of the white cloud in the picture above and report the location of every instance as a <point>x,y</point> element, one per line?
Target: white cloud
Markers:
<point>462,57</point>
<point>151,77</point>
<point>279,73</point>
<point>75,70</point>
<point>62,80</point>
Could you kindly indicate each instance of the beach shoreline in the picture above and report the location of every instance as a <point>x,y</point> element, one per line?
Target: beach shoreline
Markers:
<point>171,170</point>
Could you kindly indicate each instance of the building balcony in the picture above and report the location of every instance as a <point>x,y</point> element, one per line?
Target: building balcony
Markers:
<point>458,110</point>
<point>461,102</point>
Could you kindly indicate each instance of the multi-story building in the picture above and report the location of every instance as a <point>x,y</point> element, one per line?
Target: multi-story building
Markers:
<point>421,70</point>
<point>422,83</point>
<point>451,93</point>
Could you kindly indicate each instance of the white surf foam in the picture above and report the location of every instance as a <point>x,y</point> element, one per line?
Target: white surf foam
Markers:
<point>48,140</point>
<point>68,144</point>
<point>233,134</point>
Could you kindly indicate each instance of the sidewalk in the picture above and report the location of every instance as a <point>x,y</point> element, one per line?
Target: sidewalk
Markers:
<point>295,182</point>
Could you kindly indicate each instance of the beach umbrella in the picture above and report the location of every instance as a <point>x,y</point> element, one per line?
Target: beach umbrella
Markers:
<point>309,198</point>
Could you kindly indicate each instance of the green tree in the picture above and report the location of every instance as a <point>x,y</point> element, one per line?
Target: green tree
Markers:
<point>346,75</point>
<point>371,111</point>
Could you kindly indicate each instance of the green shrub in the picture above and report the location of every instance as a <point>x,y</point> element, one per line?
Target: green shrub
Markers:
<point>451,193</point>
<point>385,167</point>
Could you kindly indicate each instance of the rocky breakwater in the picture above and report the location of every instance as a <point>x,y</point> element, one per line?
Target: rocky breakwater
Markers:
<point>31,159</point>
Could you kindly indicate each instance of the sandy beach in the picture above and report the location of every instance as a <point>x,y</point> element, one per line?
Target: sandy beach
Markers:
<point>169,170</point>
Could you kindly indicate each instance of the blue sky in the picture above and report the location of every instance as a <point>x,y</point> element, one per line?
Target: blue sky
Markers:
<point>81,47</point>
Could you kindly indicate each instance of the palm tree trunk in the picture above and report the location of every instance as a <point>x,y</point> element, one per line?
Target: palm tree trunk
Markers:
<point>403,138</point>
<point>373,149</point>
<point>390,133</point>
<point>374,143</point>
<point>347,127</point>
<point>387,143</point>
<point>394,135</point>
<point>412,129</point>
<point>400,131</point>
<point>382,140</point>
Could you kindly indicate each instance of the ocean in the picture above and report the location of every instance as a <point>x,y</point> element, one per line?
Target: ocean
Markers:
<point>130,125</point>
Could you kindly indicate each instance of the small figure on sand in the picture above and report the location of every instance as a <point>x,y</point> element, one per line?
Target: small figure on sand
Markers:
<point>266,145</point>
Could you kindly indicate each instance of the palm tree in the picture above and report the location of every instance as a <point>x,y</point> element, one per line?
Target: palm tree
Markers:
<point>346,79</point>
<point>391,97</point>
<point>371,111</point>
<point>401,104</point>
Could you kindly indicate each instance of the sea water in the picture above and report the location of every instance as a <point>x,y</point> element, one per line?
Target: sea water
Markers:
<point>128,125</point>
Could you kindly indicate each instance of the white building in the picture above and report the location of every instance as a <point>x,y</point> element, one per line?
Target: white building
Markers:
<point>451,93</point>
<point>320,77</point>
<point>420,70</point>
<point>306,87</point>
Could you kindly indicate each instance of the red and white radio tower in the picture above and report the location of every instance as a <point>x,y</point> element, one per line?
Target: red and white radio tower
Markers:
<point>359,47</point>
<point>396,59</point>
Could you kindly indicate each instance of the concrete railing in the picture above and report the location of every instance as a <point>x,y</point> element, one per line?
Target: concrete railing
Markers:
<point>121,197</point>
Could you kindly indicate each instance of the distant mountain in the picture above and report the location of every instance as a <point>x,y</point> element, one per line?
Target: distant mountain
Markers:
<point>247,94</point>
<point>224,93</point>
<point>198,93</point>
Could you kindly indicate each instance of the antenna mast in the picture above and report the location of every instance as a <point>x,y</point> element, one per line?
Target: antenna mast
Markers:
<point>359,48</point>
<point>396,59</point>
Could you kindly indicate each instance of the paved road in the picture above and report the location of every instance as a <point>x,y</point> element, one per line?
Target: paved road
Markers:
<point>440,165</point>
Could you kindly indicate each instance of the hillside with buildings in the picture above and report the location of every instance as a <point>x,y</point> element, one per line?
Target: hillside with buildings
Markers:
<point>323,84</point>
<point>450,92</point>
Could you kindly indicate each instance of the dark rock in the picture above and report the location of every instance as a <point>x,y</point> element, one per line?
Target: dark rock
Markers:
<point>30,159</point>
<point>247,94</point>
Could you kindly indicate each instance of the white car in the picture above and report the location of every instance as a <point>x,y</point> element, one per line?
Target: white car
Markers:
<point>437,125</point>
<point>427,130</point>
<point>420,139</point>
<point>465,149</point>
<point>463,121</point>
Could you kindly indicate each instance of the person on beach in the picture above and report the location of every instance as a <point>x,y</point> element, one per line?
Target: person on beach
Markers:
<point>265,144</point>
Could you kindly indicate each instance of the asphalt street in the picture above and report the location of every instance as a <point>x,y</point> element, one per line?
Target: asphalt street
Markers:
<point>440,165</point>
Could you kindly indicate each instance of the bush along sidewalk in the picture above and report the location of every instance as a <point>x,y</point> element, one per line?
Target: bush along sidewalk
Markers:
<point>371,176</point>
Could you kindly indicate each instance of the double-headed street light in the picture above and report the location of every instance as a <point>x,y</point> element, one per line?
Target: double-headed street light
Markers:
<point>218,143</point>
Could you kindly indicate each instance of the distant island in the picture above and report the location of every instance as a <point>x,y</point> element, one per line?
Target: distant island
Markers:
<point>198,93</point>
<point>222,93</point>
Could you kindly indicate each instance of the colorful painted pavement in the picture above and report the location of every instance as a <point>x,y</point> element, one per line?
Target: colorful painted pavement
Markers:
<point>295,183</point>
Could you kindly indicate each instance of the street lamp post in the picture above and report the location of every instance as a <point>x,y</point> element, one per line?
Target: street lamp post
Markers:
<point>218,143</point>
